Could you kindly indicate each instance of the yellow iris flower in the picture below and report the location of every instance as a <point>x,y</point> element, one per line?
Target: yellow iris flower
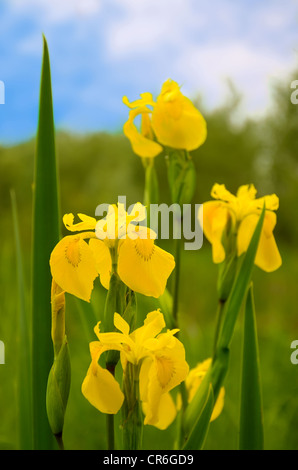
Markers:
<point>143,143</point>
<point>194,380</point>
<point>112,243</point>
<point>237,216</point>
<point>175,122</point>
<point>159,356</point>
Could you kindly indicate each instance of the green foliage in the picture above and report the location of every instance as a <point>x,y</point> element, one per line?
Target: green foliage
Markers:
<point>97,168</point>
<point>45,236</point>
<point>200,430</point>
<point>278,162</point>
<point>24,405</point>
<point>251,432</point>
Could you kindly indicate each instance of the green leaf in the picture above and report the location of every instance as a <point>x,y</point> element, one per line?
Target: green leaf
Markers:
<point>45,237</point>
<point>226,275</point>
<point>199,432</point>
<point>24,398</point>
<point>251,413</point>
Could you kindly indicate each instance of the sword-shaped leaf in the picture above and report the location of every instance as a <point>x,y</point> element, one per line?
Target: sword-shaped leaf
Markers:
<point>45,237</point>
<point>251,414</point>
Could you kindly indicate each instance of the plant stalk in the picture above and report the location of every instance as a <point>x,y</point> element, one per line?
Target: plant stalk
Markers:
<point>110,418</point>
<point>132,412</point>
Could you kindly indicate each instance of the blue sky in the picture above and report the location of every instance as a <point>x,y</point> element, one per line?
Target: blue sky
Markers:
<point>103,49</point>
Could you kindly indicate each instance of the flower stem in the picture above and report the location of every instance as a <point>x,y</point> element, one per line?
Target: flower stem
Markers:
<point>110,432</point>
<point>110,418</point>
<point>132,413</point>
<point>219,316</point>
<point>177,255</point>
<point>151,191</point>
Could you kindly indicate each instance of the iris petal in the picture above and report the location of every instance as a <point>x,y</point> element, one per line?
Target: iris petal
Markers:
<point>141,145</point>
<point>102,259</point>
<point>144,267</point>
<point>268,257</point>
<point>88,223</point>
<point>73,266</point>
<point>176,121</point>
<point>102,390</point>
<point>215,216</point>
<point>166,412</point>
<point>193,382</point>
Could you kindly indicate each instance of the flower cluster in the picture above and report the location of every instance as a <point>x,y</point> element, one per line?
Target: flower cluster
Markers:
<point>232,217</point>
<point>161,361</point>
<point>121,251</point>
<point>172,122</point>
<point>114,242</point>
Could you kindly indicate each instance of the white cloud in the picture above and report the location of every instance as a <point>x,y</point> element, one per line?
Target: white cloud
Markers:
<point>209,43</point>
<point>54,11</point>
<point>149,25</point>
<point>252,70</point>
<point>278,16</point>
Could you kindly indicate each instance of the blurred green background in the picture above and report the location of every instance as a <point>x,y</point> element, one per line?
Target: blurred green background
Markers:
<point>98,167</point>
